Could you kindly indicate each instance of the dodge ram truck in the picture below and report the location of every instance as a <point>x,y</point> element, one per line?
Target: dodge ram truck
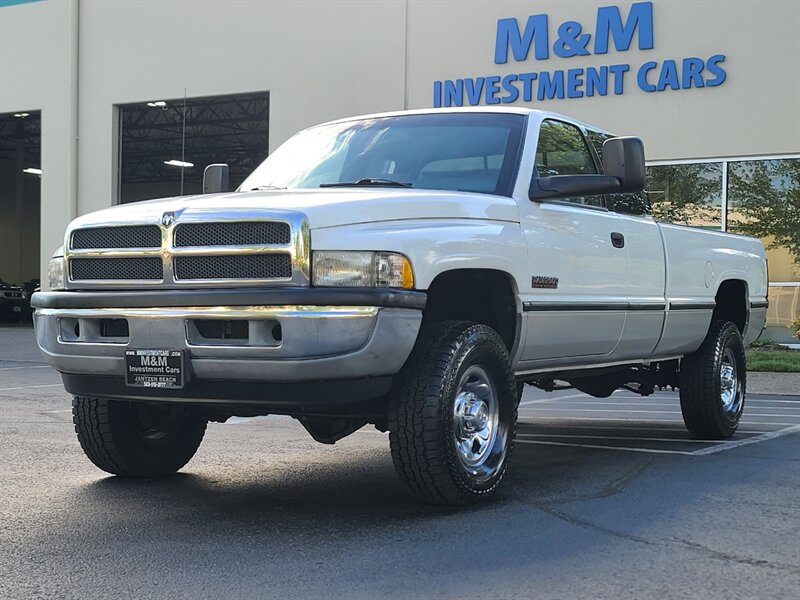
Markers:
<point>409,270</point>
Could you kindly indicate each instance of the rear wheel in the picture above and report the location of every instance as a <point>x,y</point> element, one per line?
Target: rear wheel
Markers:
<point>712,383</point>
<point>453,414</point>
<point>137,439</point>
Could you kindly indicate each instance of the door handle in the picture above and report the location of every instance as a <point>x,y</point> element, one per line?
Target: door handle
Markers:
<point>617,239</point>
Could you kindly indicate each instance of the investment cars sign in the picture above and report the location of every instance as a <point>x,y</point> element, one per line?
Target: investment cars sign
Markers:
<point>538,39</point>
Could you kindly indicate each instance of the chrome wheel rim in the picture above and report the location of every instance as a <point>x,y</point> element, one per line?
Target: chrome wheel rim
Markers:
<point>476,416</point>
<point>729,385</point>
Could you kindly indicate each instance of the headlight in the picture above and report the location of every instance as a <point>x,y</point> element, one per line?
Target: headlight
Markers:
<point>55,274</point>
<point>336,268</point>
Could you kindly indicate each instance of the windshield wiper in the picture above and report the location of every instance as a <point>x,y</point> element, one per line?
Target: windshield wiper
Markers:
<point>265,187</point>
<point>367,181</point>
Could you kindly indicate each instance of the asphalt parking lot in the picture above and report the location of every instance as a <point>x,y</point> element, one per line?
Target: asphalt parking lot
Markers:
<point>605,499</point>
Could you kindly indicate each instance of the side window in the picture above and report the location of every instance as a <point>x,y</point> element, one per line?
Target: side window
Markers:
<point>561,150</point>
<point>597,138</point>
<point>629,204</point>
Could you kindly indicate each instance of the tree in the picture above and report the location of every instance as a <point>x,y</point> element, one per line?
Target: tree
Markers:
<point>688,194</point>
<point>764,201</point>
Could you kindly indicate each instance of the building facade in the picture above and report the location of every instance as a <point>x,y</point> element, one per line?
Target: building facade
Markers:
<point>112,101</point>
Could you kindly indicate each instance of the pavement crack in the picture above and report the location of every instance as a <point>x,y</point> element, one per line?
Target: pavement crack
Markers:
<point>742,560</point>
<point>572,520</point>
<point>694,546</point>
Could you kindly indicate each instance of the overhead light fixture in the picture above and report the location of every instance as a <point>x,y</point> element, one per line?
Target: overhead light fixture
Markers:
<point>157,104</point>
<point>22,115</point>
<point>32,171</point>
<point>178,163</point>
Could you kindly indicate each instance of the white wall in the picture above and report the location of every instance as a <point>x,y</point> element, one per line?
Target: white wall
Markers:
<point>37,65</point>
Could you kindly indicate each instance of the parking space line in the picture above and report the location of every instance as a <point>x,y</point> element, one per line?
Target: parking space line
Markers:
<point>622,437</point>
<point>595,401</point>
<point>753,440</point>
<point>617,428</point>
<point>646,412</point>
<point>25,387</point>
<point>599,447</point>
<point>15,368</point>
<point>545,400</point>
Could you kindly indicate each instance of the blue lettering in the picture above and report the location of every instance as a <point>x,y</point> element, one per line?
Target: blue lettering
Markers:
<point>619,77</point>
<point>492,88</point>
<point>570,41</point>
<point>551,86</point>
<point>527,85</point>
<point>668,76</point>
<point>454,92</point>
<point>508,34</point>
<point>641,76</point>
<point>609,21</point>
<point>474,90</point>
<point>574,81</point>
<point>513,92</point>
<point>692,72</point>
<point>437,94</point>
<point>713,66</point>
<point>596,80</point>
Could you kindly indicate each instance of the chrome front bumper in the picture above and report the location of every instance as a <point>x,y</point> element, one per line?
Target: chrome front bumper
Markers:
<point>314,343</point>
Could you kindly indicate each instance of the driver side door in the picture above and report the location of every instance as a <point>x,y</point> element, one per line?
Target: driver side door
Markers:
<point>576,304</point>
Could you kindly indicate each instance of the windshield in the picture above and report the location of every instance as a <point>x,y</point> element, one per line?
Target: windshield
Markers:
<point>473,152</point>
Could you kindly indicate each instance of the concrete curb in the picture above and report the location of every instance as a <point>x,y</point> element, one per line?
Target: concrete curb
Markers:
<point>786,384</point>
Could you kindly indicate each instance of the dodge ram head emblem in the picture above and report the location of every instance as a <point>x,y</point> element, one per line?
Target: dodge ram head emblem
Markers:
<point>167,219</point>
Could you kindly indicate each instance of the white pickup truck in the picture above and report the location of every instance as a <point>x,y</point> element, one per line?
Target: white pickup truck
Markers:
<point>411,270</point>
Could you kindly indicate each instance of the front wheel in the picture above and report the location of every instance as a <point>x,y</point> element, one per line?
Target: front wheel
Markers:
<point>137,439</point>
<point>712,383</point>
<point>453,414</point>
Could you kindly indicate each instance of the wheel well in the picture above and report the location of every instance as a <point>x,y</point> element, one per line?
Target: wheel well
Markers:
<point>481,295</point>
<point>731,303</point>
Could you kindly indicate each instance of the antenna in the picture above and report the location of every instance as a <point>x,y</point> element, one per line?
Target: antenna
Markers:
<point>183,140</point>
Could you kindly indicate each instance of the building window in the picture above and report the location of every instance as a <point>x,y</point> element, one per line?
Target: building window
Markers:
<point>764,201</point>
<point>164,145</point>
<point>687,194</point>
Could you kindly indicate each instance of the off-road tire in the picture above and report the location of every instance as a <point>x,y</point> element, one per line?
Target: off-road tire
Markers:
<point>111,436</point>
<point>421,417</point>
<point>700,385</point>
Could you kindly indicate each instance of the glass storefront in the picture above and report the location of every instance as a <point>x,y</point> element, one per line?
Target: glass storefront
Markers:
<point>758,197</point>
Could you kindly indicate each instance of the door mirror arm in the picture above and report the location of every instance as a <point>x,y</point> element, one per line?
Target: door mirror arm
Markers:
<point>569,186</point>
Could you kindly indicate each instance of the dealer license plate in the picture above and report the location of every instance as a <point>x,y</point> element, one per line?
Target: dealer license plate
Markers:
<point>162,369</point>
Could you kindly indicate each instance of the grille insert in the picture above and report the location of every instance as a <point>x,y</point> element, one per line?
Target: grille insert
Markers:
<point>245,233</point>
<point>129,236</point>
<point>250,266</point>
<point>146,268</point>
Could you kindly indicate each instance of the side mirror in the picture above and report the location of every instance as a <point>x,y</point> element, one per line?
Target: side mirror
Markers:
<point>215,178</point>
<point>623,158</point>
<point>623,164</point>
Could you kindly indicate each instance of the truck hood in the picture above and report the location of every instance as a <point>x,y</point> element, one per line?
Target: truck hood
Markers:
<point>323,207</point>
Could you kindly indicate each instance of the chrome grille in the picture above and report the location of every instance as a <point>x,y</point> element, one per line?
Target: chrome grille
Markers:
<point>239,233</point>
<point>246,266</point>
<point>197,247</point>
<point>139,268</point>
<point>129,236</point>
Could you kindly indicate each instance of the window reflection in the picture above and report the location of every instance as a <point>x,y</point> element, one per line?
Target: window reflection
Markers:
<point>764,201</point>
<point>687,194</point>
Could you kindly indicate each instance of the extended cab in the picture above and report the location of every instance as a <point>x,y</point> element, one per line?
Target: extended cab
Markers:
<point>410,270</point>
